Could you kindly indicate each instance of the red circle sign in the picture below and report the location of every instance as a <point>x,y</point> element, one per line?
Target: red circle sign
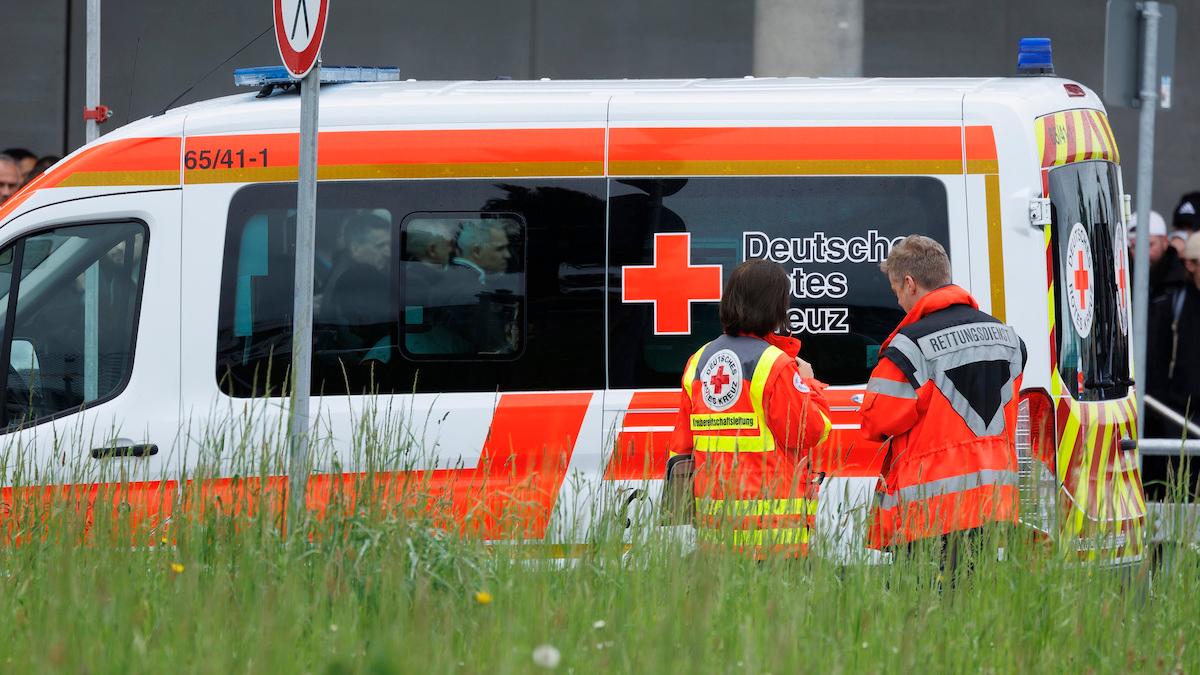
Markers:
<point>299,31</point>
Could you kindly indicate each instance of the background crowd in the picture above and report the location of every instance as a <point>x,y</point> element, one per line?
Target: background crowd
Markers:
<point>1173,331</point>
<point>18,166</point>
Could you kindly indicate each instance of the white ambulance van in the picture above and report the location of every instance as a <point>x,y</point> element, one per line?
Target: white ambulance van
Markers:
<point>511,274</point>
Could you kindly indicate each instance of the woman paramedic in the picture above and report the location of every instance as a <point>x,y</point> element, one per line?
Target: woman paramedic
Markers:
<point>750,414</point>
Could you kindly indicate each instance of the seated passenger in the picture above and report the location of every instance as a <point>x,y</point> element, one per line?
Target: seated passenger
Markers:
<point>428,248</point>
<point>489,317</point>
<point>359,297</point>
<point>483,248</point>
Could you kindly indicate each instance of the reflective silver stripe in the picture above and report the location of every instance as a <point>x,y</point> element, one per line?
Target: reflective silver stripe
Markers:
<point>945,486</point>
<point>881,385</point>
<point>904,344</point>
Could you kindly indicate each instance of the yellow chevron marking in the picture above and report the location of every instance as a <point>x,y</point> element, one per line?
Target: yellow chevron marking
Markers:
<point>1089,456</point>
<point>1102,468</point>
<point>1080,138</point>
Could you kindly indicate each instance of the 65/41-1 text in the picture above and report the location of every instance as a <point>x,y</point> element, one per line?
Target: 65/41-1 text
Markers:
<point>224,159</point>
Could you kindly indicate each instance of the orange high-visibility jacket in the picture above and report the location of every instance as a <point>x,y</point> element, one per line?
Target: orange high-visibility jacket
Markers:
<point>749,419</point>
<point>945,392</point>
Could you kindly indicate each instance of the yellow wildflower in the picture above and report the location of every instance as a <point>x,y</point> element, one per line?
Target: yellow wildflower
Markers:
<point>483,597</point>
<point>177,568</point>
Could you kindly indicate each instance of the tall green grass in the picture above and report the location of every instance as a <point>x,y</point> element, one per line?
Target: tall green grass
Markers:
<point>380,589</point>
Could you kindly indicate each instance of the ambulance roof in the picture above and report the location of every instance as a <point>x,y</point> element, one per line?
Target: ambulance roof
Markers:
<point>546,104</point>
<point>512,102</point>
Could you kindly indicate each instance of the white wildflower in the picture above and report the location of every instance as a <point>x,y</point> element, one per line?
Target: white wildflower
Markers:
<point>546,656</point>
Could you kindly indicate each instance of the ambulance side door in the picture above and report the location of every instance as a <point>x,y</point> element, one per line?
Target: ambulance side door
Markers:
<point>474,385</point>
<point>89,298</point>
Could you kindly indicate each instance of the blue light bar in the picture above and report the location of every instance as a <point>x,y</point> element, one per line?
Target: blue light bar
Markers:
<point>1034,56</point>
<point>265,75</point>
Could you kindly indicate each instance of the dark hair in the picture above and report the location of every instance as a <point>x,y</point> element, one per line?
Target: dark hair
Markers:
<point>20,154</point>
<point>40,167</point>
<point>755,301</point>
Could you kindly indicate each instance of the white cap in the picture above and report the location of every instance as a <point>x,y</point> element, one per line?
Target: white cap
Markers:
<point>1158,226</point>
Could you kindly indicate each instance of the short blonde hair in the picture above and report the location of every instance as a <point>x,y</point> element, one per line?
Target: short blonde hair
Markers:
<point>921,258</point>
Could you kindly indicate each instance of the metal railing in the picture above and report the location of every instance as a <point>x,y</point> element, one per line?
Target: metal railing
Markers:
<point>1170,447</point>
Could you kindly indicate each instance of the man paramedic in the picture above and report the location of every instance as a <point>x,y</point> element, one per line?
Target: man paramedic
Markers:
<point>945,393</point>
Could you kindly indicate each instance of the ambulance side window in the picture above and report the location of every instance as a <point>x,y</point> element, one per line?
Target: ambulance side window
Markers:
<point>669,236</point>
<point>71,298</point>
<point>462,281</point>
<point>420,286</point>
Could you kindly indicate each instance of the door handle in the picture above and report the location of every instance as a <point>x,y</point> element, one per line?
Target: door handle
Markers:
<point>134,450</point>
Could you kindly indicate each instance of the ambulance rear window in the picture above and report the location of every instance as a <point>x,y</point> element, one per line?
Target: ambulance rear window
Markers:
<point>1091,265</point>
<point>667,237</point>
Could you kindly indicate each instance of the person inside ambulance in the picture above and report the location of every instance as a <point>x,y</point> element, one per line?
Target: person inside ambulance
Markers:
<point>485,292</point>
<point>428,248</point>
<point>358,296</point>
<point>749,415</point>
<point>482,248</point>
<point>944,393</point>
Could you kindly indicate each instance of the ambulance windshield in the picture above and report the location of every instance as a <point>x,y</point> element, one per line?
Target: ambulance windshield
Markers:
<point>1091,263</point>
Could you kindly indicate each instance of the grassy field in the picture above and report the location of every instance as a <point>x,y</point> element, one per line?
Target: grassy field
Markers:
<point>381,591</point>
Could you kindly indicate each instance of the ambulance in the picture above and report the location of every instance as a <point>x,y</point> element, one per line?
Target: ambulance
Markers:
<point>510,275</point>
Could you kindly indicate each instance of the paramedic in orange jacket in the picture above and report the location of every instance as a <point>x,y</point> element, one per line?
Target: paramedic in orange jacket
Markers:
<point>945,393</point>
<point>750,412</point>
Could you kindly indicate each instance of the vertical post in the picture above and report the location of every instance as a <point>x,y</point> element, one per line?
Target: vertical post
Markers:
<point>92,95</point>
<point>1145,187</point>
<point>306,221</point>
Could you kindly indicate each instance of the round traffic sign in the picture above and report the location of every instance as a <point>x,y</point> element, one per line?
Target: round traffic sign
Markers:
<point>299,31</point>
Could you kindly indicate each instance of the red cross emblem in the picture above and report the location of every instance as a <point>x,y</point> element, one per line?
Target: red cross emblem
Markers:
<point>1082,275</point>
<point>672,283</point>
<point>719,380</point>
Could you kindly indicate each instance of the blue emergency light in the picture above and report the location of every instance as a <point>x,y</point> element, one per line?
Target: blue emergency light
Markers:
<point>263,76</point>
<point>1034,56</point>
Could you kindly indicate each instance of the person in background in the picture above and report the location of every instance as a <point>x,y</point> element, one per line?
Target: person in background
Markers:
<point>1178,241</point>
<point>40,167</point>
<point>1187,213</point>
<point>1166,272</point>
<point>944,394</point>
<point>25,160</point>
<point>10,177</point>
<point>750,414</point>
<point>1174,332</point>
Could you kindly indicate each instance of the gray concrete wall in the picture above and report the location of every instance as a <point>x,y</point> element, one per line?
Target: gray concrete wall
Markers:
<point>957,38</point>
<point>32,86</point>
<point>152,50</point>
<point>808,37</point>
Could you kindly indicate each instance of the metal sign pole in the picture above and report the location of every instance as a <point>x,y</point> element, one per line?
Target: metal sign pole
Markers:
<point>306,220</point>
<point>92,95</point>
<point>1145,185</point>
